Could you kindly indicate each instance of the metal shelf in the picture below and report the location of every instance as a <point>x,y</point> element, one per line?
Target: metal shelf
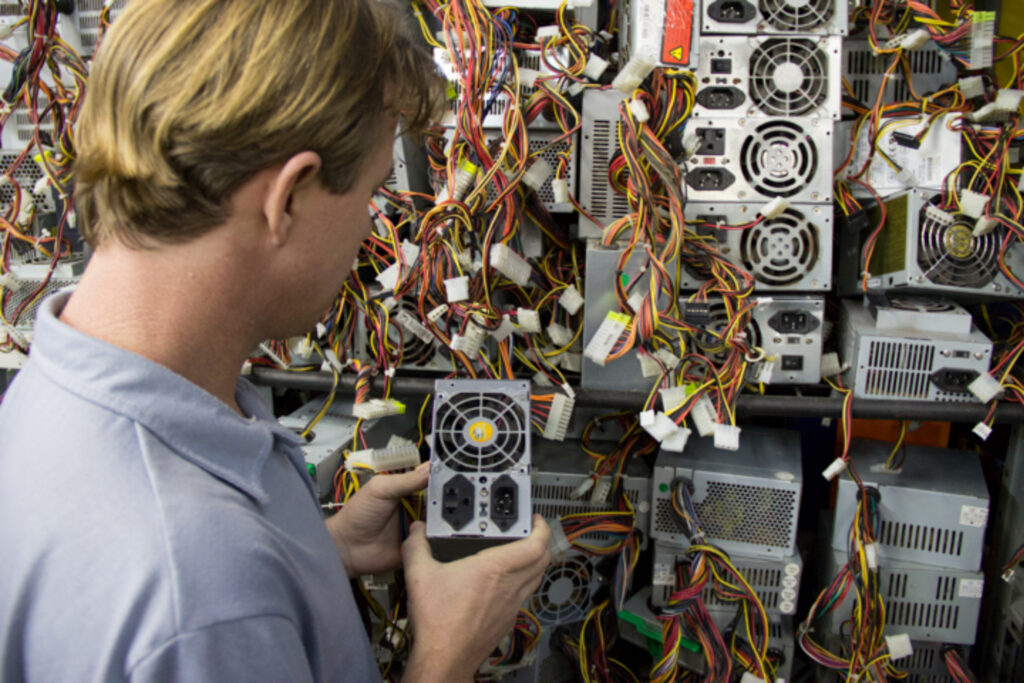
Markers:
<point>749,405</point>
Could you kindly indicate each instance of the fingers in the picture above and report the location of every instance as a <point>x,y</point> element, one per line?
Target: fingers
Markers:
<point>416,554</point>
<point>395,486</point>
<point>527,554</point>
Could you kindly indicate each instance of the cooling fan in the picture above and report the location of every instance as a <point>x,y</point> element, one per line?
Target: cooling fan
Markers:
<point>951,254</point>
<point>779,159</point>
<point>797,15</point>
<point>921,304</point>
<point>710,340</point>
<point>565,592</point>
<point>479,463</point>
<point>789,76</point>
<point>782,250</point>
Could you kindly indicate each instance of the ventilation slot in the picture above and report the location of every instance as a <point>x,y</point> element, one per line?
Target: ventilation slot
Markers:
<point>935,540</point>
<point>748,514</point>
<point>898,369</point>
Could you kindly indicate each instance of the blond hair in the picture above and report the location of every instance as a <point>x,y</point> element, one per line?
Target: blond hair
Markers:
<point>188,99</point>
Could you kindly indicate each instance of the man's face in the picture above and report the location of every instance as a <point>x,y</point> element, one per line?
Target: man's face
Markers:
<point>331,229</point>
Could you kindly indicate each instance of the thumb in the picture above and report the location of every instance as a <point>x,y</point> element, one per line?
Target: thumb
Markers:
<point>416,553</point>
<point>395,486</point>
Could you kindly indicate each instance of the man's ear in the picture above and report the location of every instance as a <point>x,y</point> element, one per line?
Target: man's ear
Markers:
<point>278,201</point>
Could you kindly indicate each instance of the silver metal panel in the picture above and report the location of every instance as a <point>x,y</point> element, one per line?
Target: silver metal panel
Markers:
<point>886,364</point>
<point>748,501</point>
<point>926,603</point>
<point>333,435</point>
<point>864,69</point>
<point>557,473</point>
<point>776,582</point>
<point>933,511</point>
<point>599,145</point>
<point>794,356</point>
<point>759,76</point>
<point>775,16</point>
<point>600,297</point>
<point>756,160</point>
<point>792,252</point>
<point>480,460</point>
<point>913,256</point>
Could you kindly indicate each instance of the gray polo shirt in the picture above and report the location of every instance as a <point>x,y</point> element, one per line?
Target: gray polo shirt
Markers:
<point>150,533</point>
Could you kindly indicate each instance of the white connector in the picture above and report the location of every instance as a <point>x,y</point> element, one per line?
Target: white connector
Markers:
<point>982,431</point>
<point>673,397</point>
<point>435,313</point>
<point>899,646</point>
<point>639,110</point>
<point>559,335</point>
<point>410,324</point>
<point>691,143</point>
<point>9,282</point>
<point>27,207</point>
<point>595,68</point>
<point>387,459</point>
<point>604,340</point>
<point>547,32</point>
<point>528,77</point>
<point>1008,100</point>
<point>529,320</point>
<point>457,289</point>
<point>748,677</point>
<point>41,185</point>
<point>378,407</point>
<point>670,359</point>
<point>676,441</point>
<point>912,40</point>
<point>972,87</point>
<point>834,470</point>
<point>658,425</point>
<point>639,67</point>
<point>599,494</point>
<point>541,380</point>
<point>906,178</point>
<point>983,29</point>
<point>582,489</point>
<point>973,203</point>
<point>571,300</point>
<point>559,418</point>
<point>571,362</point>
<point>830,366</point>
<point>985,388</point>
<point>938,215</point>
<point>727,437</point>
<point>504,330</point>
<point>649,365</point>
<point>465,177</point>
<point>510,264</point>
<point>774,208</point>
<point>559,543</point>
<point>871,556</point>
<point>560,190</point>
<point>704,416</point>
<point>470,342</point>
<point>984,226</point>
<point>537,174</point>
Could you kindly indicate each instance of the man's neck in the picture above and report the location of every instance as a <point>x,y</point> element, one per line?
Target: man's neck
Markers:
<point>182,308</point>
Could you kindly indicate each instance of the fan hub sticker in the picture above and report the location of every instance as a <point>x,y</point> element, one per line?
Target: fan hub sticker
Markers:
<point>481,431</point>
<point>959,241</point>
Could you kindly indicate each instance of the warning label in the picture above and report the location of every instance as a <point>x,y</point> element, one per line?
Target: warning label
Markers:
<point>675,46</point>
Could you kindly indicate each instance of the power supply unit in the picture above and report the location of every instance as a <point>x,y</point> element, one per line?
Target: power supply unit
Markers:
<point>909,348</point>
<point>927,165</point>
<point>664,32</point>
<point>775,581</point>
<point>21,302</point>
<point>787,328</point>
<point>791,252</point>
<point>933,510</point>
<point>557,475</point>
<point>479,489</point>
<point>408,335</point>
<point>775,76</point>
<point>923,601</point>
<point>25,176</point>
<point>335,433</point>
<point>599,135</point>
<point>864,69</point>
<point>927,249</point>
<point>747,501</point>
<point>566,592</point>
<point>756,159</point>
<point>625,373</point>
<point>639,625</point>
<point>775,16</point>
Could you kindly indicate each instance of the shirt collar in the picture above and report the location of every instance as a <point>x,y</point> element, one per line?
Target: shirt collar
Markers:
<point>191,421</point>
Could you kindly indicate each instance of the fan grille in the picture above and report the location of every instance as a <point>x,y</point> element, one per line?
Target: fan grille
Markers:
<point>788,76</point>
<point>921,304</point>
<point>480,432</point>
<point>782,250</point>
<point>796,15</point>
<point>951,254</point>
<point>710,341</point>
<point>564,593</point>
<point>779,159</point>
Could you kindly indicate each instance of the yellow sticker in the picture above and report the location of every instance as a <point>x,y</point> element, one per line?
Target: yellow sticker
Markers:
<point>481,431</point>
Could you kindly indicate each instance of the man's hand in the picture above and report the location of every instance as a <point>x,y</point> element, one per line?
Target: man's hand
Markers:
<point>366,530</point>
<point>460,611</point>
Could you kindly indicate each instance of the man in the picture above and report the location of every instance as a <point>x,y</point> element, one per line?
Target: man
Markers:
<point>155,523</point>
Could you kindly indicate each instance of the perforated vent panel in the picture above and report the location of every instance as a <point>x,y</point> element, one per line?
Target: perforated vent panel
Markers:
<point>898,369</point>
<point>565,592</point>
<point>779,159</point>
<point>605,202</point>
<point>480,432</point>
<point>942,542</point>
<point>748,514</point>
<point>25,319</point>
<point>26,175</point>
